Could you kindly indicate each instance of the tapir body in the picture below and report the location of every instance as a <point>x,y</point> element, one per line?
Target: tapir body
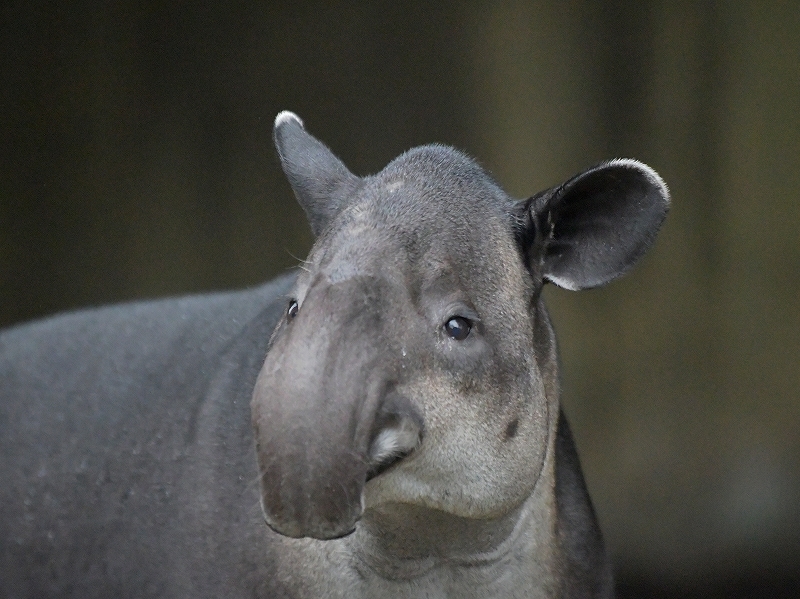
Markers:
<point>385,423</point>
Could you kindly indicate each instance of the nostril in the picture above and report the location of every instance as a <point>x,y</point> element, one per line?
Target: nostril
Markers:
<point>397,432</point>
<point>391,445</point>
<point>394,441</point>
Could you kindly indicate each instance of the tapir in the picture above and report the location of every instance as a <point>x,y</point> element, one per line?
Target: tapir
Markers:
<point>383,422</point>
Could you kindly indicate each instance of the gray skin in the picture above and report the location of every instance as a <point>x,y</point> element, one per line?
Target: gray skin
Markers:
<point>408,436</point>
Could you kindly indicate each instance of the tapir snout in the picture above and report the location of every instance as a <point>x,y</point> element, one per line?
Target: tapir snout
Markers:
<point>326,411</point>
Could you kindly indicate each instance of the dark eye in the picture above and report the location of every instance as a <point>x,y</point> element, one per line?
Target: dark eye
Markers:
<point>458,328</point>
<point>292,310</point>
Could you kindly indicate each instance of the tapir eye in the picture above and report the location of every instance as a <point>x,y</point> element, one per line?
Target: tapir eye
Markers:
<point>292,310</point>
<point>458,328</point>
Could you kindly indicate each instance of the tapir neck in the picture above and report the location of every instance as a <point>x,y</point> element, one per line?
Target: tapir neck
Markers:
<point>404,552</point>
<point>455,557</point>
<point>399,541</point>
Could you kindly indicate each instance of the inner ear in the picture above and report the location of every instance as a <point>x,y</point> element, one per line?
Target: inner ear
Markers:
<point>595,226</point>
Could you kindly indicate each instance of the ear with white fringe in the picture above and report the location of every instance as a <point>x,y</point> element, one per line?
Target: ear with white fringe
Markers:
<point>595,226</point>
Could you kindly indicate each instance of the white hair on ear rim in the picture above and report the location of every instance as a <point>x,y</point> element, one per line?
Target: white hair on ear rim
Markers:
<point>567,284</point>
<point>657,200</point>
<point>285,116</point>
<point>652,176</point>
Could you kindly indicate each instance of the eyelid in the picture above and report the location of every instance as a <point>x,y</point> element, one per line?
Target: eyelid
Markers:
<point>460,309</point>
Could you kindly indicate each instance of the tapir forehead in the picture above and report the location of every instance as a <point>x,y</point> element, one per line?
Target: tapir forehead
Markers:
<point>436,182</point>
<point>358,245</point>
<point>428,197</point>
<point>432,217</point>
<point>430,200</point>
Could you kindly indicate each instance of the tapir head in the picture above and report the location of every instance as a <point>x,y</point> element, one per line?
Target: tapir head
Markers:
<point>415,363</point>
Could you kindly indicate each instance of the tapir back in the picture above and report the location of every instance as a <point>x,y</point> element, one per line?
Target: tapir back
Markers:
<point>126,445</point>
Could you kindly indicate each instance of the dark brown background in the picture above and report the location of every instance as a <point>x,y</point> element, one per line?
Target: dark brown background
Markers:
<point>136,161</point>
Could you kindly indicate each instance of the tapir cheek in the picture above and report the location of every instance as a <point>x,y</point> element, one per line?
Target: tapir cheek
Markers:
<point>477,455</point>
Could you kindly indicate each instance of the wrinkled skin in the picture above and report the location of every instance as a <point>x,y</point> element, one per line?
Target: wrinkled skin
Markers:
<point>408,435</point>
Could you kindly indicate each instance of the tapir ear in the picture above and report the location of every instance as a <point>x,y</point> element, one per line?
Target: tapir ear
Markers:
<point>594,227</point>
<point>321,182</point>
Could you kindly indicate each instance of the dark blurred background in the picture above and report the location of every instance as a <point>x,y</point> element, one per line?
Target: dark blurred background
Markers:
<point>137,161</point>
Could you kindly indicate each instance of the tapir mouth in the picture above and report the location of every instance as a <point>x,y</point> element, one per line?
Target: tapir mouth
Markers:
<point>387,451</point>
<point>313,487</point>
